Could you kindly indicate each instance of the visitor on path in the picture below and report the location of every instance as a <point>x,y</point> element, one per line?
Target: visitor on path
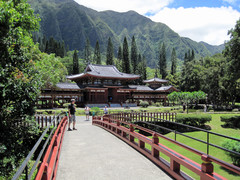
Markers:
<point>71,114</point>
<point>87,110</point>
<point>105,110</point>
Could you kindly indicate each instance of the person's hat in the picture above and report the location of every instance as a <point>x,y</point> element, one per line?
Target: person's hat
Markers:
<point>72,100</point>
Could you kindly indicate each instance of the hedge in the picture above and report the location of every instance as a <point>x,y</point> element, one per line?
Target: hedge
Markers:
<point>144,103</point>
<point>234,146</point>
<point>193,119</point>
<point>232,121</point>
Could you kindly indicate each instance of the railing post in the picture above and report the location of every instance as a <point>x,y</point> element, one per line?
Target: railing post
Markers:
<point>155,141</point>
<point>42,121</point>
<point>206,166</point>
<point>131,129</point>
<point>118,124</point>
<point>45,172</point>
<point>175,166</point>
<point>26,172</point>
<point>207,142</point>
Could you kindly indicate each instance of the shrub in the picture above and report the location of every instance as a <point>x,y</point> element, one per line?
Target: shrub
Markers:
<point>158,104</point>
<point>65,105</point>
<point>235,110</point>
<point>234,146</point>
<point>144,103</point>
<point>231,121</point>
<point>193,119</point>
<point>95,110</point>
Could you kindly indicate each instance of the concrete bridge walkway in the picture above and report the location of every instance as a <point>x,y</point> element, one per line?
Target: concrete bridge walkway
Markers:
<point>92,153</point>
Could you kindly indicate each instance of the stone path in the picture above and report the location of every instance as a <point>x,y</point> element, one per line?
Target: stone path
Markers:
<point>91,153</point>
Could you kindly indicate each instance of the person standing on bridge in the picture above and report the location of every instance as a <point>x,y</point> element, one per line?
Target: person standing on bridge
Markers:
<point>105,110</point>
<point>87,109</point>
<point>72,117</point>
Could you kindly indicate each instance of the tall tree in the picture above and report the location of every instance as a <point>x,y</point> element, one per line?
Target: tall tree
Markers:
<point>144,71</point>
<point>134,55</point>
<point>126,63</point>
<point>109,55</point>
<point>119,63</point>
<point>174,62</point>
<point>19,83</point>
<point>163,61</point>
<point>87,52</point>
<point>97,54</point>
<point>232,54</point>
<point>75,63</point>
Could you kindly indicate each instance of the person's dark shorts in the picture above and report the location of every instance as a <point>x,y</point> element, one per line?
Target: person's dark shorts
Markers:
<point>72,118</point>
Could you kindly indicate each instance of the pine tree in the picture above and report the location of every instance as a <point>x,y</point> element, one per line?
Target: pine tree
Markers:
<point>97,54</point>
<point>193,55</point>
<point>87,52</point>
<point>126,64</point>
<point>119,63</point>
<point>120,54</point>
<point>139,58</point>
<point>134,55</point>
<point>144,71</point>
<point>75,63</point>
<point>163,62</point>
<point>109,55</point>
<point>174,62</point>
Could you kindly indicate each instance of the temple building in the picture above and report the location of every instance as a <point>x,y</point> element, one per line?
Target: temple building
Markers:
<point>101,85</point>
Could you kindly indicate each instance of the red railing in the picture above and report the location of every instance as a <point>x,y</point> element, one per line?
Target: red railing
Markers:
<point>128,134</point>
<point>48,167</point>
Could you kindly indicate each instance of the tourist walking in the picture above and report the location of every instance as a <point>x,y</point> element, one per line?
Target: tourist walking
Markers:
<point>71,114</point>
<point>87,110</point>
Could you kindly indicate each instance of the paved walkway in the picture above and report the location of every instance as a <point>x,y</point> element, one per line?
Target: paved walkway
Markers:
<point>92,153</point>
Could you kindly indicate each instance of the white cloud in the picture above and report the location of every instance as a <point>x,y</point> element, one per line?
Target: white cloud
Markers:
<point>200,24</point>
<point>210,25</point>
<point>141,6</point>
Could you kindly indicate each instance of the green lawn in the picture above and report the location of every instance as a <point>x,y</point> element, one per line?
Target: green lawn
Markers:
<point>216,127</point>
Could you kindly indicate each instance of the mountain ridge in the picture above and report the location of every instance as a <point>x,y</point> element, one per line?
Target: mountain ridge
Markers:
<point>67,20</point>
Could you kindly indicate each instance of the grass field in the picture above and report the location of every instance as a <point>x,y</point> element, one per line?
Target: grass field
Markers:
<point>215,125</point>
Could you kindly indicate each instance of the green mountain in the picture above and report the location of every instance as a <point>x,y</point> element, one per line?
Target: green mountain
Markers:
<point>66,20</point>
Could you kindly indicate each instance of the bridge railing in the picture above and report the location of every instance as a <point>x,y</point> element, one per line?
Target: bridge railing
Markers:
<point>58,122</point>
<point>149,119</point>
<point>126,131</point>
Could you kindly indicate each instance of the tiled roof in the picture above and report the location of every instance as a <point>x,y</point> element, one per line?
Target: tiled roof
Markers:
<point>141,88</point>
<point>164,88</point>
<point>105,71</point>
<point>67,86</point>
<point>155,80</point>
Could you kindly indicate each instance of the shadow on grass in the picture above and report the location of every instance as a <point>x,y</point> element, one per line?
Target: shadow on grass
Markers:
<point>230,172</point>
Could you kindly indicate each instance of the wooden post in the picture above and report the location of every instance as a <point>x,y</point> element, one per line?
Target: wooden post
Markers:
<point>175,166</point>
<point>141,144</point>
<point>155,141</point>
<point>206,166</point>
<point>131,129</point>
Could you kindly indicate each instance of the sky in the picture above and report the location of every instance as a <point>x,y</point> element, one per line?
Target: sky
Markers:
<point>199,20</point>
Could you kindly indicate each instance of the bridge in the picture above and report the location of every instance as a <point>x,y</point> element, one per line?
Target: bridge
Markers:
<point>111,147</point>
<point>91,152</point>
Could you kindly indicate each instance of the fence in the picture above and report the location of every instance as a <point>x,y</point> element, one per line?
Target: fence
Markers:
<point>44,121</point>
<point>144,116</point>
<point>59,121</point>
